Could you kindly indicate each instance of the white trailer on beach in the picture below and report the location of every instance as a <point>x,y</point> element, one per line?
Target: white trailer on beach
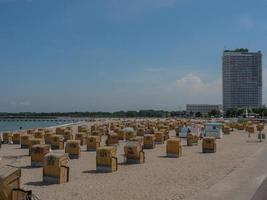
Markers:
<point>213,130</point>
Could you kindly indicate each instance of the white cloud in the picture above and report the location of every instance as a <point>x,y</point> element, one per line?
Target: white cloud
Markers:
<point>191,88</point>
<point>194,84</point>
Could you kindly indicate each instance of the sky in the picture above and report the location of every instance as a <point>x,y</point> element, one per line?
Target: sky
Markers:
<point>110,55</point>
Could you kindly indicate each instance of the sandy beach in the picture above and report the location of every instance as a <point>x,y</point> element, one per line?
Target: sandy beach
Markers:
<point>158,178</point>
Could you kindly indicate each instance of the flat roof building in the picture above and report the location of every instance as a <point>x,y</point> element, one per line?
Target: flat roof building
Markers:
<point>242,79</point>
<point>203,109</point>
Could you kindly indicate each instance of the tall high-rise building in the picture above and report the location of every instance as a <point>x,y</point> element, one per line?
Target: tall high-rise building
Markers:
<point>242,79</point>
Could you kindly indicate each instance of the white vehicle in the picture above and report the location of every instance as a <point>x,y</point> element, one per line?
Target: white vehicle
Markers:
<point>213,130</point>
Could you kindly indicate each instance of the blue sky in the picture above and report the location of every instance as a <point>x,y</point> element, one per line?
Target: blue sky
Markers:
<point>107,55</point>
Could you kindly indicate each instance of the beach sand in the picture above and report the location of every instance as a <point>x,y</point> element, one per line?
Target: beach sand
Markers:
<point>158,178</point>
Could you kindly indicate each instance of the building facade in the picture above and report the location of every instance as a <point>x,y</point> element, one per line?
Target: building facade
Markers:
<point>204,109</point>
<point>242,79</point>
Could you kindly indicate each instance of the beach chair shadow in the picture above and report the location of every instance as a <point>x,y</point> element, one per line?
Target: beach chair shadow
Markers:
<point>165,156</point>
<point>127,164</point>
<point>123,163</point>
<point>39,183</point>
<point>92,171</point>
<point>29,167</point>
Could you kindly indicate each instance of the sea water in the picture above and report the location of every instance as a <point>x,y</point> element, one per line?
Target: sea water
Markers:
<point>17,125</point>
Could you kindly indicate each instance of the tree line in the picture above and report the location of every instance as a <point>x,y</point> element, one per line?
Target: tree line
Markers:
<point>233,112</point>
<point>118,114</point>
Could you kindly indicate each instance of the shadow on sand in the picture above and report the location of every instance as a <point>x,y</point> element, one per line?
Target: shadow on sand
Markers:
<point>127,164</point>
<point>39,183</point>
<point>93,171</point>
<point>28,167</point>
<point>165,156</point>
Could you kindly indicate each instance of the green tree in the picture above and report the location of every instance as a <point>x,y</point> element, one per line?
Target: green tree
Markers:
<point>214,113</point>
<point>198,114</point>
<point>131,114</point>
<point>118,114</point>
<point>232,112</point>
<point>241,112</point>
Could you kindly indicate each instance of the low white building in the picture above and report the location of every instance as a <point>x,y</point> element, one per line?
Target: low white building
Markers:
<point>204,109</point>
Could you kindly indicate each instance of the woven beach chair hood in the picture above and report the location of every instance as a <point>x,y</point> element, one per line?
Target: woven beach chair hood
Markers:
<point>128,129</point>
